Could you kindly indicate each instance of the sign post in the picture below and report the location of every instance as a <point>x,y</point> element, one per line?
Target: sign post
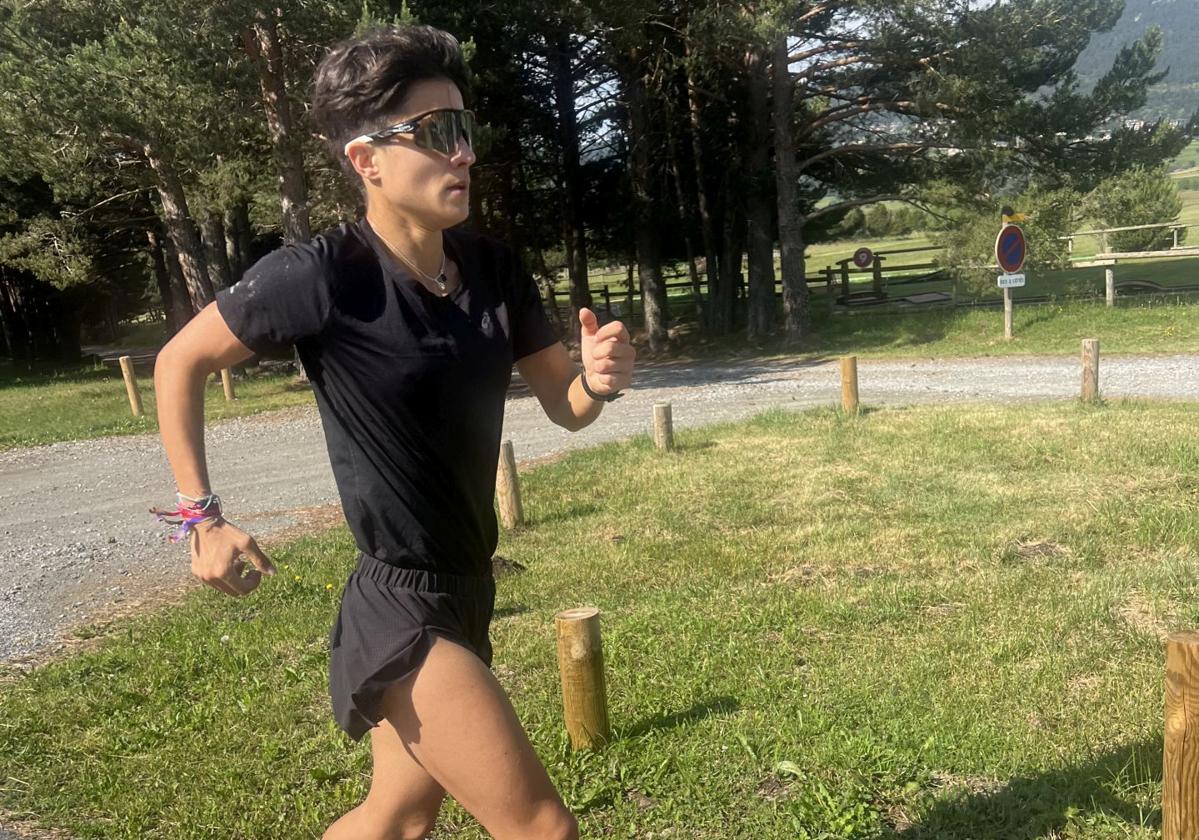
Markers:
<point>1010,251</point>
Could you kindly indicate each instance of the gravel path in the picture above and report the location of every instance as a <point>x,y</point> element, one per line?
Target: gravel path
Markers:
<point>64,566</point>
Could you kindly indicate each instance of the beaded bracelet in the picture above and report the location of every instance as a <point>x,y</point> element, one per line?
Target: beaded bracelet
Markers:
<point>187,516</point>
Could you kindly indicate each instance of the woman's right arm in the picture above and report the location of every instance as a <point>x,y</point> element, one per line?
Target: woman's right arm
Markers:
<point>204,346</point>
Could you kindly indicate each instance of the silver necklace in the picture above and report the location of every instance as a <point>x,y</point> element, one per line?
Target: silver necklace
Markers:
<point>440,279</point>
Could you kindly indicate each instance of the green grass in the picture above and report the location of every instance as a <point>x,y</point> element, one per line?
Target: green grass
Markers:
<point>1142,325</point>
<point>1187,162</point>
<point>47,406</point>
<point>925,623</point>
<point>1045,329</point>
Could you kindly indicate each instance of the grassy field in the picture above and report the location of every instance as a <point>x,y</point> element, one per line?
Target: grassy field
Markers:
<point>1046,329</point>
<point>926,623</point>
<point>1187,163</point>
<point>43,407</point>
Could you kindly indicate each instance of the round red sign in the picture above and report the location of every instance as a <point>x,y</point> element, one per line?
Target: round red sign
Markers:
<point>863,257</point>
<point>1010,248</point>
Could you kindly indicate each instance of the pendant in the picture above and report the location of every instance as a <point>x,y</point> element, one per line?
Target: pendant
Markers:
<point>440,280</point>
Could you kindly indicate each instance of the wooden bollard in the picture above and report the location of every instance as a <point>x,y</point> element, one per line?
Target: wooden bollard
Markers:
<point>581,663</point>
<point>507,489</point>
<point>135,397</point>
<point>849,384</point>
<point>227,381</point>
<point>1109,284</point>
<point>1090,369</point>
<point>1180,766</point>
<point>663,427</point>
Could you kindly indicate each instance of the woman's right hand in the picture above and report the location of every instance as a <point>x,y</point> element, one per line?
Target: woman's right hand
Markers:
<point>216,548</point>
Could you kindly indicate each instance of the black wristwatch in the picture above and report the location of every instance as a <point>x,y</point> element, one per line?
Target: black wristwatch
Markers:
<point>615,395</point>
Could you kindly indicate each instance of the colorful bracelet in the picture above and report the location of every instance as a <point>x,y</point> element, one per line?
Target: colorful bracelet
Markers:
<point>187,516</point>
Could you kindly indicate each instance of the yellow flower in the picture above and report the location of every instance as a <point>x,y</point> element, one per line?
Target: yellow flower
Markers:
<point>297,578</point>
<point>328,586</point>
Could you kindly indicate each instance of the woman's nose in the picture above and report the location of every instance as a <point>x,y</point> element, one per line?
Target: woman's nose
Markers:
<point>464,155</point>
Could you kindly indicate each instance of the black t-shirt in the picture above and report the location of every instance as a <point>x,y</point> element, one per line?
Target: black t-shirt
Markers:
<point>410,385</point>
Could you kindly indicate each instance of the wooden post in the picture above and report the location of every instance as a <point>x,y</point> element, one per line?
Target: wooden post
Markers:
<point>849,384</point>
<point>608,301</point>
<point>1109,283</point>
<point>845,280</point>
<point>663,427</point>
<point>878,275</point>
<point>507,489</point>
<point>1180,767</point>
<point>1103,243</point>
<point>581,664</point>
<point>1007,314</point>
<point>1175,237</point>
<point>227,382</point>
<point>135,397</point>
<point>1090,369</point>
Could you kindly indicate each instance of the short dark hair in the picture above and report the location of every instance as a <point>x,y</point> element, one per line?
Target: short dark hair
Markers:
<point>362,82</point>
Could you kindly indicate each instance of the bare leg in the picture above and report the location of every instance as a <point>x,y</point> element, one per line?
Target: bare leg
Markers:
<point>403,801</point>
<point>459,725</point>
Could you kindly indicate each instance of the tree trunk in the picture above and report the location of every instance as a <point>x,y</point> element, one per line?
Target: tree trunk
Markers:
<point>711,262</point>
<point>630,264</point>
<point>182,230</point>
<point>796,314</point>
<point>649,262</point>
<point>163,280</point>
<point>263,45</point>
<point>184,311</point>
<point>8,319</point>
<point>568,135</point>
<point>725,305</point>
<point>686,217</point>
<point>759,213</point>
<point>238,239</point>
<point>212,231</point>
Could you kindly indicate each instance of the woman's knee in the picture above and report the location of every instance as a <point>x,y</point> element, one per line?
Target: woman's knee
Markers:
<point>550,823</point>
<point>412,823</point>
<point>413,830</point>
<point>567,827</point>
<point>366,823</point>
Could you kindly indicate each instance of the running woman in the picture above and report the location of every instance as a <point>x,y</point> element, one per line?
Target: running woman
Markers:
<point>408,328</point>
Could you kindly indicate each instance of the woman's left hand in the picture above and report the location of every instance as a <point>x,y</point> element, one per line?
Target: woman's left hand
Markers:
<point>608,354</point>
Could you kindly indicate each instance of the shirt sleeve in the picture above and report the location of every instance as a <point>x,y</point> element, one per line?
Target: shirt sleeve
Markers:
<point>531,328</point>
<point>280,300</point>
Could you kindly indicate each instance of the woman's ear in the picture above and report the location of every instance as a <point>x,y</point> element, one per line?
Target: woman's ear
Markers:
<point>362,158</point>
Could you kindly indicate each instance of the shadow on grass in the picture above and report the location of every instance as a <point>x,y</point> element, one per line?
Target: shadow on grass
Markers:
<point>669,720</point>
<point>13,374</point>
<point>1027,807</point>
<point>563,514</point>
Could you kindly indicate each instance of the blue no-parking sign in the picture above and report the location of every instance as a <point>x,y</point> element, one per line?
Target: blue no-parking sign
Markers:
<point>1010,249</point>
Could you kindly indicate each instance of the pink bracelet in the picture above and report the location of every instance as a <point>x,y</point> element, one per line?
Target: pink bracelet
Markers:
<point>187,516</point>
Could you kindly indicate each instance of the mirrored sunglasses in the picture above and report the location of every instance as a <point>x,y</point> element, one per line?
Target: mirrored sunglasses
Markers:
<point>437,130</point>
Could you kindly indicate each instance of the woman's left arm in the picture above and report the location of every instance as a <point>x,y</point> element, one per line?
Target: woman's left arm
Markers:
<point>608,358</point>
